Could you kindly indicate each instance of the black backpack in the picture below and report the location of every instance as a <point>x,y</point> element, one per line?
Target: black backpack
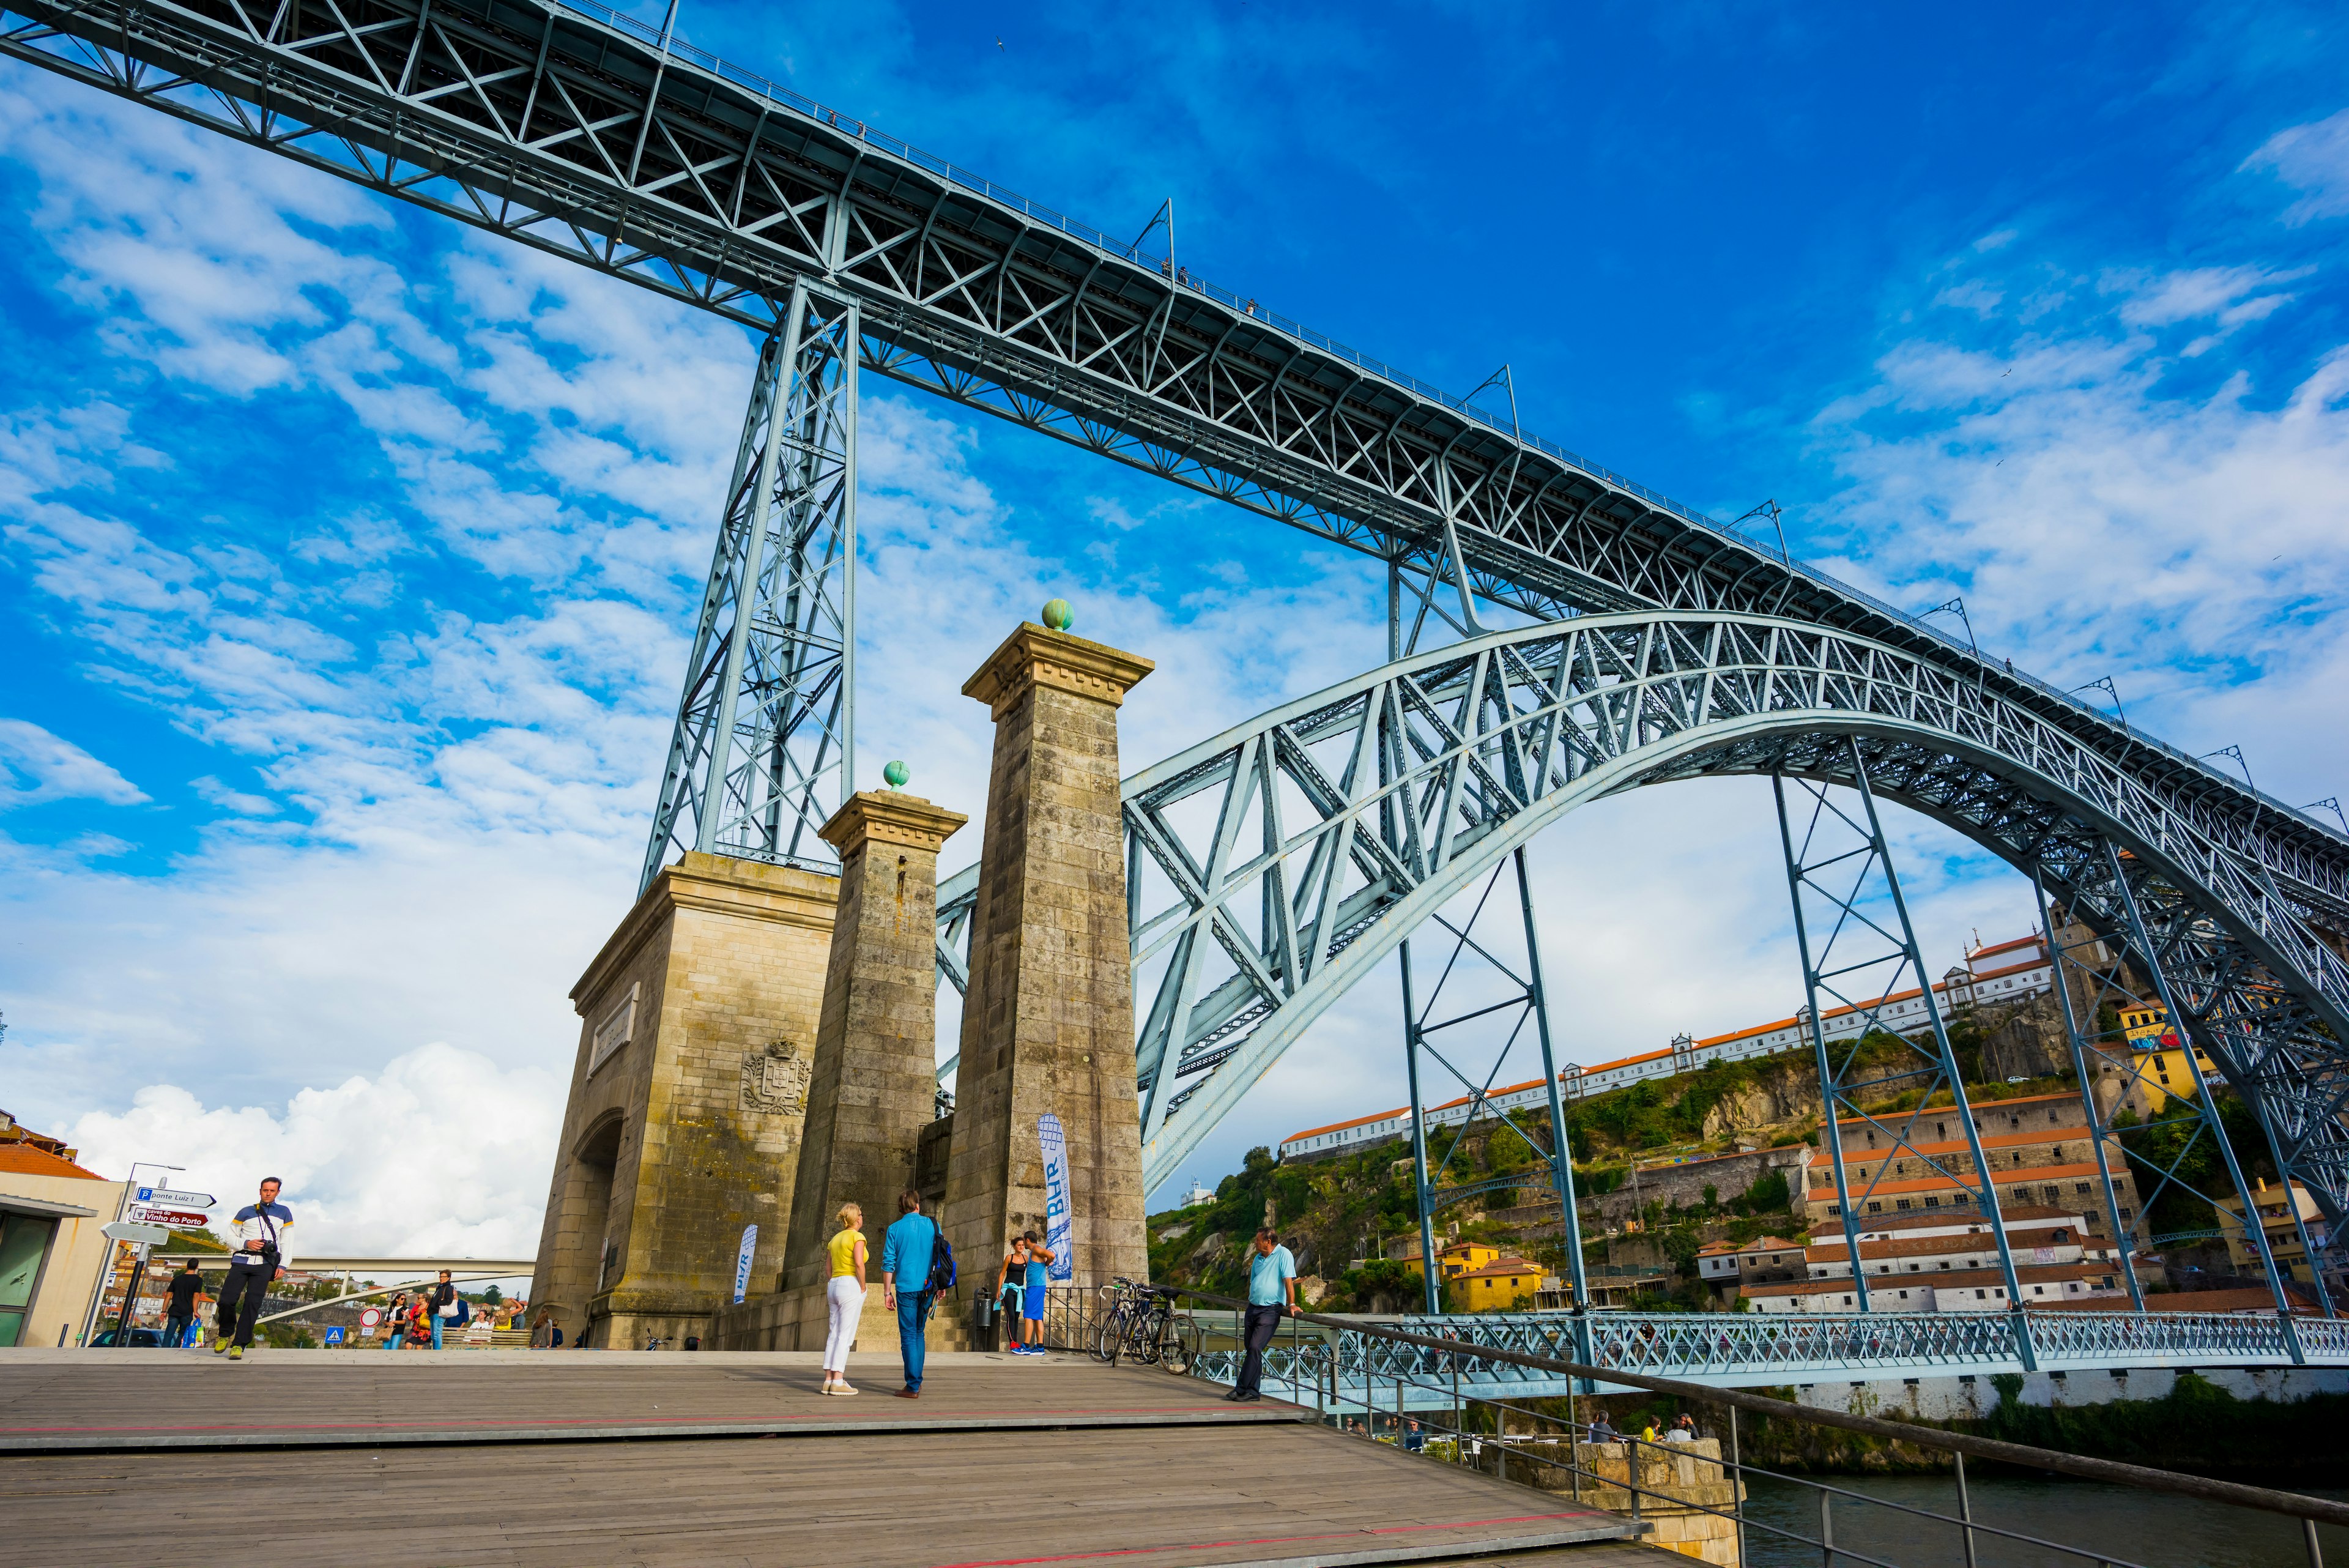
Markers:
<point>942,1265</point>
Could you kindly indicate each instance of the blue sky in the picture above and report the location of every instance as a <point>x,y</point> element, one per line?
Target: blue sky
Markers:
<point>347,554</point>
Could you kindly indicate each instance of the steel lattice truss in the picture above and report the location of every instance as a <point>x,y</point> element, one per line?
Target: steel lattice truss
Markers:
<point>586,134</point>
<point>764,740</point>
<point>1858,951</point>
<point>1275,865</point>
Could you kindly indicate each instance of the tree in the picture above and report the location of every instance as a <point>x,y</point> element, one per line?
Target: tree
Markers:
<point>492,1296</point>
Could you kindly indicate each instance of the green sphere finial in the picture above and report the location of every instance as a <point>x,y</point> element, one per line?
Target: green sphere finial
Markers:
<point>896,775</point>
<point>1058,616</point>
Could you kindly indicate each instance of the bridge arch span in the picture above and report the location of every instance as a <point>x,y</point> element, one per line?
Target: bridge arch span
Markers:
<point>1275,865</point>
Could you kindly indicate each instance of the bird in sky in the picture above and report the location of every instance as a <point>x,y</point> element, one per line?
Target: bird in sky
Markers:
<point>998,41</point>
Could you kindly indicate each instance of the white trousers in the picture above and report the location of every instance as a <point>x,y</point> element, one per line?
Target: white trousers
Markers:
<point>846,1298</point>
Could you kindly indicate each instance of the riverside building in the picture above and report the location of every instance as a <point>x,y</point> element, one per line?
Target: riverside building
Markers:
<point>2002,973</point>
<point>1949,1263</point>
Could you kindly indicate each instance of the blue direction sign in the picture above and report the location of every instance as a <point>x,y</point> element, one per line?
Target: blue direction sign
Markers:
<point>333,1336</point>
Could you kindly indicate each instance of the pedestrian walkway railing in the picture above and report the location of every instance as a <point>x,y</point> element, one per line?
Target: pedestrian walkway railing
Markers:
<point>1436,1393</point>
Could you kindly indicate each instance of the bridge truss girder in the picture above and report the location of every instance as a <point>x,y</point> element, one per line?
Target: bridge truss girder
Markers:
<point>586,134</point>
<point>1391,793</point>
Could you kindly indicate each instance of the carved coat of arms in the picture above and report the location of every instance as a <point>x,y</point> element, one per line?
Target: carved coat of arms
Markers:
<point>775,1081</point>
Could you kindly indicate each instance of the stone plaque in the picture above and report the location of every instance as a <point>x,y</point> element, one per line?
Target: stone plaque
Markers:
<point>775,1081</point>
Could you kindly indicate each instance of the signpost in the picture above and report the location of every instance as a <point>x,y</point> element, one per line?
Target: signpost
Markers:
<point>333,1336</point>
<point>178,1219</point>
<point>140,1236</point>
<point>164,1195</point>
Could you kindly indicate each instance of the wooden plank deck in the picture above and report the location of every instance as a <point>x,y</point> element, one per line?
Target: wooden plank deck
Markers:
<point>94,1401</point>
<point>1119,1497</point>
<point>1004,1463</point>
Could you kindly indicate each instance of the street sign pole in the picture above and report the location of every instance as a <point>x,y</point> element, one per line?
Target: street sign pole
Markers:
<point>141,1237</point>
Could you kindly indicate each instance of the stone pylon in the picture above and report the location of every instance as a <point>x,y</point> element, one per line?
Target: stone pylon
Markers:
<point>1048,1023</point>
<point>698,1023</point>
<point>874,1084</point>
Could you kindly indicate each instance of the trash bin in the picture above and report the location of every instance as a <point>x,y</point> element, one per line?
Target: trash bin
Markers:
<point>985,1320</point>
<point>693,1342</point>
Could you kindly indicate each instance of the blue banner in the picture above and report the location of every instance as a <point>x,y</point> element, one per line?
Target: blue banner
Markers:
<point>743,1261</point>
<point>1057,1234</point>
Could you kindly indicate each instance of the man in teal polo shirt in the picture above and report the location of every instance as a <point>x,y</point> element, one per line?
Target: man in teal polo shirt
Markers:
<point>1272,1295</point>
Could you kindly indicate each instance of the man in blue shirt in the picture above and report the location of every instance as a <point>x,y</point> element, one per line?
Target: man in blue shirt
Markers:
<point>906,1252</point>
<point>1272,1295</point>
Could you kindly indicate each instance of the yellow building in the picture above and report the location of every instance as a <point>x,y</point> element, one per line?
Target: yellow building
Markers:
<point>51,1251</point>
<point>1459,1258</point>
<point>2283,1235</point>
<point>2163,1067</point>
<point>1504,1284</point>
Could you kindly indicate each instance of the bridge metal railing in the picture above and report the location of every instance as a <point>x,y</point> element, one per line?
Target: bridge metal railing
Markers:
<point>1435,1394</point>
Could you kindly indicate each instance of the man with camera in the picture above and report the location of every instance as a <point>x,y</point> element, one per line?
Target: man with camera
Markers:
<point>258,1256</point>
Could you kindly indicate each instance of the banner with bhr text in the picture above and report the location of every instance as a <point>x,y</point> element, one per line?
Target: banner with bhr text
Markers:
<point>1056,1233</point>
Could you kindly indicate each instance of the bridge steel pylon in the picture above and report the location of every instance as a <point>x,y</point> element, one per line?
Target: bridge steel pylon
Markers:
<point>1841,878</point>
<point>1473,963</point>
<point>2096,979</point>
<point>763,750</point>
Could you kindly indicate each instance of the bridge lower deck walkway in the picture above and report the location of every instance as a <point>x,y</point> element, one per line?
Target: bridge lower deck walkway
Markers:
<point>1002,1464</point>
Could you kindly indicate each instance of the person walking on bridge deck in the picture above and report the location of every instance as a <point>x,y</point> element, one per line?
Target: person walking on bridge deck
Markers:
<point>906,1252</point>
<point>259,1257</point>
<point>1272,1295</point>
<point>187,1292</point>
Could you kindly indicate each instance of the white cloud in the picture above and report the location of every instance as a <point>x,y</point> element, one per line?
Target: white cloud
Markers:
<point>440,1153</point>
<point>2313,159</point>
<point>38,766</point>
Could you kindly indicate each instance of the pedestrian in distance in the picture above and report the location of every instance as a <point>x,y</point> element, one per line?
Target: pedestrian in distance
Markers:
<point>544,1334</point>
<point>395,1320</point>
<point>258,1257</point>
<point>444,1307</point>
<point>1031,1297</point>
<point>187,1289</point>
<point>844,1295</point>
<point>1602,1430</point>
<point>1681,1431</point>
<point>1272,1295</point>
<point>419,1321</point>
<point>909,1252</point>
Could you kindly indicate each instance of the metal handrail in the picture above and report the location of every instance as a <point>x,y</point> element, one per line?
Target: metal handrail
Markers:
<point>2264,1499</point>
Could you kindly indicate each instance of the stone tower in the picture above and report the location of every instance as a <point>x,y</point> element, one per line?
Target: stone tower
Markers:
<point>697,1024</point>
<point>1048,1023</point>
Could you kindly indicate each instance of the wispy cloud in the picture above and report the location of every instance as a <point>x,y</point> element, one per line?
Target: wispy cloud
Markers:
<point>41,766</point>
<point>2313,159</point>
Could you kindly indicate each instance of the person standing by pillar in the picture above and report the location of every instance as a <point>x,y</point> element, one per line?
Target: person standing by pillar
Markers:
<point>906,1252</point>
<point>258,1237</point>
<point>843,1297</point>
<point>1272,1295</point>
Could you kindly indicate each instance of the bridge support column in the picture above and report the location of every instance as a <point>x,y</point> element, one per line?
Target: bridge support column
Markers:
<point>1838,863</point>
<point>872,1087</point>
<point>1048,1019</point>
<point>696,1024</point>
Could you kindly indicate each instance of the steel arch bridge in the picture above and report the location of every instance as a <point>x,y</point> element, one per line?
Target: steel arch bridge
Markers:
<point>1272,866</point>
<point>581,132</point>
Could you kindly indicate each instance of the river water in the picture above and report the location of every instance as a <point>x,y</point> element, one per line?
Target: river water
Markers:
<point>2133,1527</point>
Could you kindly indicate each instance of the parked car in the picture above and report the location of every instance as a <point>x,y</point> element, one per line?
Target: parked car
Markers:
<point>139,1339</point>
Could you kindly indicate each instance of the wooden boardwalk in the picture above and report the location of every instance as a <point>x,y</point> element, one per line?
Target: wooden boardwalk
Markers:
<point>1003,1464</point>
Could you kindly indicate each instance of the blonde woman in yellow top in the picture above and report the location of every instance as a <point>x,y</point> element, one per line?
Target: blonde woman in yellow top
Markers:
<point>846,1296</point>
